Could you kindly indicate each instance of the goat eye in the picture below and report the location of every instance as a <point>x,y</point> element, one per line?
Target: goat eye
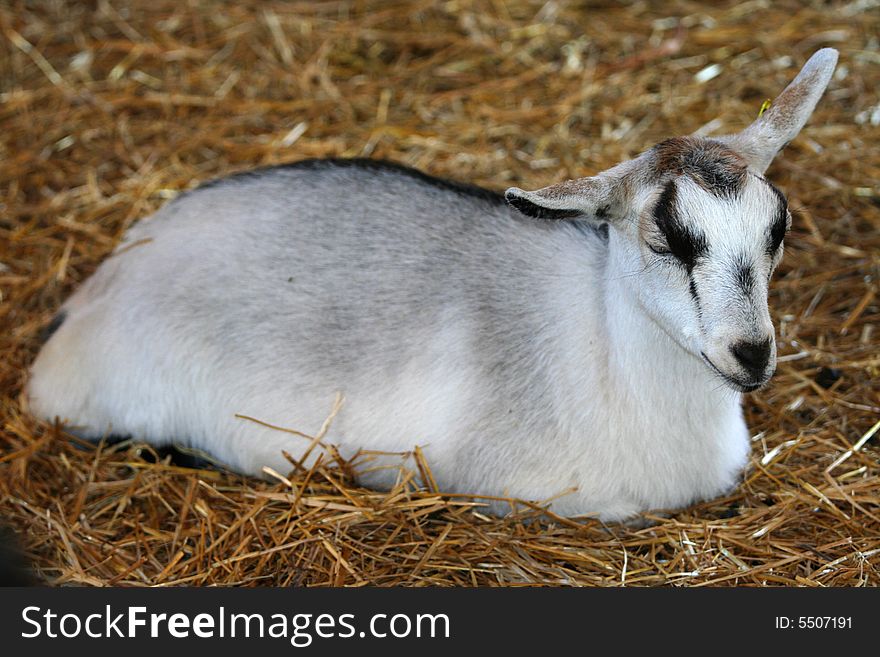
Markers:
<point>659,250</point>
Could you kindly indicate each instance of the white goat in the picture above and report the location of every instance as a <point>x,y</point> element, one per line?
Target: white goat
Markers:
<point>594,353</point>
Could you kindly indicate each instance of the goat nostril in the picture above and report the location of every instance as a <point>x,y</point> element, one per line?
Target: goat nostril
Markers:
<point>752,355</point>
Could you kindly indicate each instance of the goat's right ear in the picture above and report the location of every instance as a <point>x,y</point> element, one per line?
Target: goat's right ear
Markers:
<point>584,197</point>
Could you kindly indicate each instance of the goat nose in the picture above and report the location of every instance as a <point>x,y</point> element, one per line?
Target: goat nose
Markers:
<point>753,356</point>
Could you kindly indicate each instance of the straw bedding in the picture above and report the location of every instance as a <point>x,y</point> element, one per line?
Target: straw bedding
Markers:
<point>109,109</point>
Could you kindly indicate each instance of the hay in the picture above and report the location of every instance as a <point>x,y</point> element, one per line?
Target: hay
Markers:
<point>109,110</point>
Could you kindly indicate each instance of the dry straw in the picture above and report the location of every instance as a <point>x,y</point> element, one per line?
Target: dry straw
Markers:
<point>109,109</point>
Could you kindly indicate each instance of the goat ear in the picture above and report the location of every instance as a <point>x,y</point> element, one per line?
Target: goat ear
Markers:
<point>584,197</point>
<point>771,132</point>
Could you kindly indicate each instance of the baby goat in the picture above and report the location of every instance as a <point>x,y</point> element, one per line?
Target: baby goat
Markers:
<point>583,341</point>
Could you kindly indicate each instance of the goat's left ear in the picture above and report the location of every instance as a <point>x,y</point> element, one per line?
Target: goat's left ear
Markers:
<point>582,198</point>
<point>783,120</point>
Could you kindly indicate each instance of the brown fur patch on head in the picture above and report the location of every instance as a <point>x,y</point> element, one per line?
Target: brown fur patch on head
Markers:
<point>711,164</point>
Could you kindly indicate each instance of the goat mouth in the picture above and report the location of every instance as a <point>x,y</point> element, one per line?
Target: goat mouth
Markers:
<point>739,386</point>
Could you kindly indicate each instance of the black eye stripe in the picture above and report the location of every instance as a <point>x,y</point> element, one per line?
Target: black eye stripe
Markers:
<point>777,234</point>
<point>693,289</point>
<point>684,243</point>
<point>780,222</point>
